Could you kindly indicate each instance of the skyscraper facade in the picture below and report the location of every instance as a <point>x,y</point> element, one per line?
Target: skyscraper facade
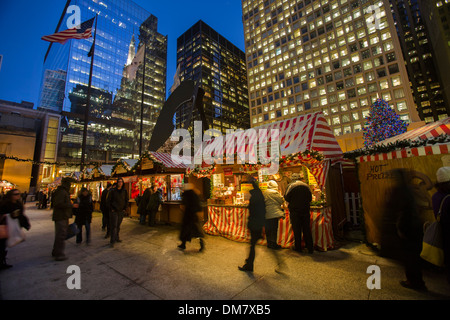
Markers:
<point>123,30</point>
<point>436,17</point>
<point>334,56</point>
<point>205,56</point>
<point>421,63</point>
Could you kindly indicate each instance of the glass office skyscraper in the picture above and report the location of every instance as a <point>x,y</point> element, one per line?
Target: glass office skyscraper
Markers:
<point>117,82</point>
<point>306,56</point>
<point>205,56</point>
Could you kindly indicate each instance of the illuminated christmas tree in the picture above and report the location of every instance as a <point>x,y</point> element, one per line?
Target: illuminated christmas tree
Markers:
<point>382,123</point>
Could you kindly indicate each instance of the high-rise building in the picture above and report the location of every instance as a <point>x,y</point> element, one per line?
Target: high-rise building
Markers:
<point>334,56</point>
<point>31,136</point>
<point>205,56</point>
<point>436,17</point>
<point>52,90</point>
<point>422,67</point>
<point>124,28</point>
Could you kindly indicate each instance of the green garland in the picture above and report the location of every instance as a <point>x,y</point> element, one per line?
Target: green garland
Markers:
<point>397,145</point>
<point>59,164</point>
<point>307,153</point>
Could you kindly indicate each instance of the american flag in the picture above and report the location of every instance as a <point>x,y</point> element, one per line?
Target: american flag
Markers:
<point>83,32</point>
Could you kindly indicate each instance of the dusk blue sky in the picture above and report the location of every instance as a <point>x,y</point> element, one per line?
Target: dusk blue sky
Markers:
<point>23,23</point>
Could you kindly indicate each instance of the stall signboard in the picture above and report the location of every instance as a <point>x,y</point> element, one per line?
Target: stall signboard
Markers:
<point>263,186</point>
<point>246,187</point>
<point>311,179</point>
<point>228,171</point>
<point>146,164</point>
<point>377,180</point>
<point>217,179</point>
<point>120,169</point>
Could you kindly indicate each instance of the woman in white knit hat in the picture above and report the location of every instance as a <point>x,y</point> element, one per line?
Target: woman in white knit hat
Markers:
<point>274,211</point>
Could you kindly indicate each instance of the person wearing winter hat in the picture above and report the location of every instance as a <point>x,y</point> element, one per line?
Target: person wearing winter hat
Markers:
<point>273,201</point>
<point>441,202</point>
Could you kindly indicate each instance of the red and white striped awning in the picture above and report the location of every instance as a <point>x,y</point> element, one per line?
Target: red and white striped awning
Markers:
<point>306,132</point>
<point>429,131</point>
<point>166,160</point>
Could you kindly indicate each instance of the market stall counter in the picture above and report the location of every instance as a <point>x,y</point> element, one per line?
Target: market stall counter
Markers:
<point>307,147</point>
<point>228,216</point>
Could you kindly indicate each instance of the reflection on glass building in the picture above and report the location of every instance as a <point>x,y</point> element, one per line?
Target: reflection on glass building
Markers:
<point>118,79</point>
<point>206,56</point>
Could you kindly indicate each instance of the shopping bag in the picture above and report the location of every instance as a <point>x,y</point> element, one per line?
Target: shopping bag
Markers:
<point>15,232</point>
<point>3,231</point>
<point>72,231</point>
<point>432,248</point>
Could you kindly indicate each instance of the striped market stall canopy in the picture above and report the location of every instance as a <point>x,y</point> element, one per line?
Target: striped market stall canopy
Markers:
<point>433,130</point>
<point>298,138</point>
<point>166,160</point>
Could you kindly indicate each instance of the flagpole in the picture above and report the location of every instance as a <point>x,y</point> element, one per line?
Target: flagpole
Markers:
<point>142,102</point>
<point>88,101</point>
<point>57,28</point>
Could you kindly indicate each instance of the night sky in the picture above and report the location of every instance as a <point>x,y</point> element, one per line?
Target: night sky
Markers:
<point>23,23</point>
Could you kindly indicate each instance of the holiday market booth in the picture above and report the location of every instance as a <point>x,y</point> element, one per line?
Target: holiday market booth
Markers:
<point>307,148</point>
<point>421,151</point>
<point>154,169</point>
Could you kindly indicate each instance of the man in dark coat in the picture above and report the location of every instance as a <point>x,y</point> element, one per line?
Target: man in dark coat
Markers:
<point>142,207</point>
<point>62,212</point>
<point>118,204</point>
<point>256,221</point>
<point>105,210</point>
<point>153,204</point>
<point>84,215</point>
<point>190,225</point>
<point>299,197</point>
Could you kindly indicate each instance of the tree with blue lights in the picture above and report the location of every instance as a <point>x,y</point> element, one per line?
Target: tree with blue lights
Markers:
<point>382,123</point>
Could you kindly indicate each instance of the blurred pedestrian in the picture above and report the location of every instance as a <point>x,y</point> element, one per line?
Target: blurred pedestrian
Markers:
<point>84,215</point>
<point>62,212</point>
<point>154,202</point>
<point>299,197</point>
<point>274,211</point>
<point>11,204</point>
<point>24,197</point>
<point>190,225</point>
<point>104,208</point>
<point>256,220</point>
<point>441,201</point>
<point>118,204</point>
<point>402,202</point>
<point>142,207</point>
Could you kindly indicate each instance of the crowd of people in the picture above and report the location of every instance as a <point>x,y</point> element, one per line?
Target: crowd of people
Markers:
<point>403,228</point>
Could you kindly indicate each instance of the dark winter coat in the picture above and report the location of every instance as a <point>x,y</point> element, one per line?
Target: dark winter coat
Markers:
<point>190,225</point>
<point>118,199</point>
<point>154,201</point>
<point>142,207</point>
<point>299,197</point>
<point>104,202</point>
<point>257,210</point>
<point>62,205</point>
<point>85,209</point>
<point>16,212</point>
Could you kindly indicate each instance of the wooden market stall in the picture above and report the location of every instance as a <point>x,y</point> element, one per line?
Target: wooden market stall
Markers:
<point>307,147</point>
<point>421,151</point>
<point>156,168</point>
